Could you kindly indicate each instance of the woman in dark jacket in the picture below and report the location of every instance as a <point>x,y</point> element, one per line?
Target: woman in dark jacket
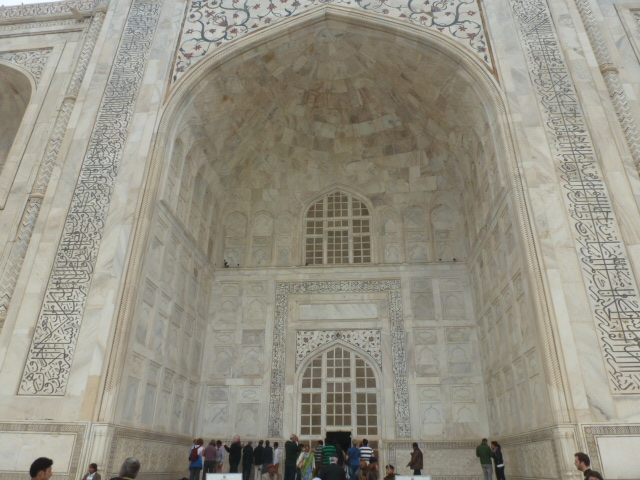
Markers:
<point>499,461</point>
<point>209,454</point>
<point>416,460</point>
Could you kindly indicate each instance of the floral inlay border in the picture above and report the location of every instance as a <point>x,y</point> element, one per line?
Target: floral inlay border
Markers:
<point>50,8</point>
<point>209,24</point>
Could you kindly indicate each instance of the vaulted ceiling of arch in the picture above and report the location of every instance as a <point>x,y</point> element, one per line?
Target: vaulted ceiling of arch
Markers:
<point>327,105</point>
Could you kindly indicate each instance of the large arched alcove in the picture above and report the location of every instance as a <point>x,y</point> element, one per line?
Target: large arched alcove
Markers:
<point>249,144</point>
<point>15,92</point>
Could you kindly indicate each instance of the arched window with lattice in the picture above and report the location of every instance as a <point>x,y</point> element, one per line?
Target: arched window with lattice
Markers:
<point>338,391</point>
<point>337,231</point>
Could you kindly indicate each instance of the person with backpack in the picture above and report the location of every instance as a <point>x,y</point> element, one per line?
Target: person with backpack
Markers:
<point>195,459</point>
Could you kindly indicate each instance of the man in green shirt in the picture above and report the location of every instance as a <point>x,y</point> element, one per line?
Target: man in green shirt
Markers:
<point>328,451</point>
<point>484,453</point>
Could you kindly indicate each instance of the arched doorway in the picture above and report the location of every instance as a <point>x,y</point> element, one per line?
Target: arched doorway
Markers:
<point>338,392</point>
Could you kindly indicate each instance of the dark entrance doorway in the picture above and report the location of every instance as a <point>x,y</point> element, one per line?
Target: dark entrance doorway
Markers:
<point>340,439</point>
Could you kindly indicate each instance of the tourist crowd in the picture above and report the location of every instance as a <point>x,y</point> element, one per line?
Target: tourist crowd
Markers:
<point>296,461</point>
<point>328,461</point>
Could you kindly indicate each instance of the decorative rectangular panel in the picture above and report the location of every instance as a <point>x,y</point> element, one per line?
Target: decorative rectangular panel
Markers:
<point>50,356</point>
<point>612,288</point>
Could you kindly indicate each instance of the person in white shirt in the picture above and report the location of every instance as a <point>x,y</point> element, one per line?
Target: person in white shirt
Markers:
<point>221,456</point>
<point>365,451</point>
<point>276,458</point>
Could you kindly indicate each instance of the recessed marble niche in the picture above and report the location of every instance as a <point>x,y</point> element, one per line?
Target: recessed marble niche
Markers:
<point>318,113</point>
<point>322,109</point>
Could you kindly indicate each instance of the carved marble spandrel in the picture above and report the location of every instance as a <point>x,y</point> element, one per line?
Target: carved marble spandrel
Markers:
<point>210,24</point>
<point>308,341</point>
<point>34,61</point>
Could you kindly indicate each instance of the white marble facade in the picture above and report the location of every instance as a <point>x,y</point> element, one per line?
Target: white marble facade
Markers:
<point>164,275</point>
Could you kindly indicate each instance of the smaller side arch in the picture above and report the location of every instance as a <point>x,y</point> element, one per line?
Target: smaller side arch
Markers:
<point>16,87</point>
<point>19,70</point>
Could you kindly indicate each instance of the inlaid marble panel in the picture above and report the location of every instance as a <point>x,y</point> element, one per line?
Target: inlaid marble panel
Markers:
<point>63,441</point>
<point>216,418</point>
<point>210,24</point>
<point>48,364</point>
<point>161,456</point>
<point>308,341</point>
<point>607,272</point>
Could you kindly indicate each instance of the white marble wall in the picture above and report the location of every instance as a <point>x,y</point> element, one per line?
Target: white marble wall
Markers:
<point>446,392</point>
<point>47,58</point>
<point>161,388</point>
<point>247,155</point>
<point>161,456</point>
<point>508,334</point>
